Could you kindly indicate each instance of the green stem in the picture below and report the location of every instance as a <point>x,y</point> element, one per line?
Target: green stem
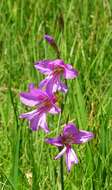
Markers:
<point>61,159</point>
<point>61,173</point>
<point>59,120</point>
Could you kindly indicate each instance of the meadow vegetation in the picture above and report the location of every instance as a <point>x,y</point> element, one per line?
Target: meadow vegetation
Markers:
<point>83,31</point>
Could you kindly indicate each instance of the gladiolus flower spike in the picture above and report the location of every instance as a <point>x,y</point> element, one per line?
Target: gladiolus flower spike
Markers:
<point>71,135</point>
<point>44,103</point>
<point>55,70</point>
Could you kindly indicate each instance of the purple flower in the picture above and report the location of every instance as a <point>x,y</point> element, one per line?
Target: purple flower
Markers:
<point>44,103</point>
<point>49,39</point>
<point>71,135</point>
<point>55,70</point>
<point>52,42</point>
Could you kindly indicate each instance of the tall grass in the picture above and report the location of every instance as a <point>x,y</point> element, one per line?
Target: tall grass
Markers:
<point>83,31</point>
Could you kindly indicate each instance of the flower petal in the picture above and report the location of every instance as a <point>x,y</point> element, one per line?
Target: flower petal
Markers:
<point>54,84</point>
<point>62,87</point>
<point>70,72</point>
<point>61,153</point>
<point>34,97</point>
<point>43,124</point>
<point>84,136</point>
<point>36,120</point>
<point>73,135</point>
<point>70,129</point>
<point>28,99</point>
<point>43,83</point>
<point>47,85</point>
<point>55,110</point>
<point>33,118</point>
<point>54,141</point>
<point>50,86</point>
<point>46,66</point>
<point>71,158</point>
<point>34,123</point>
<point>43,66</point>
<point>28,115</point>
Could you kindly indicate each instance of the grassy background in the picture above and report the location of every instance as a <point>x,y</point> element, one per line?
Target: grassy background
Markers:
<point>83,31</point>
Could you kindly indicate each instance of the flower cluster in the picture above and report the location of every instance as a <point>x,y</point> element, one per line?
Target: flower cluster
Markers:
<point>44,101</point>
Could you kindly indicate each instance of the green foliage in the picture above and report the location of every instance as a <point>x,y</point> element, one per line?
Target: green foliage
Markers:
<point>83,31</point>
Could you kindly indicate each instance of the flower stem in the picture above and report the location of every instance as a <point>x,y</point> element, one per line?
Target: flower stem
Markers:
<point>61,173</point>
<point>61,159</point>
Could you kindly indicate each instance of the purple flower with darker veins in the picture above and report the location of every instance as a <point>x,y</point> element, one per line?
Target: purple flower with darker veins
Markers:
<point>55,70</point>
<point>44,102</point>
<point>71,135</point>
